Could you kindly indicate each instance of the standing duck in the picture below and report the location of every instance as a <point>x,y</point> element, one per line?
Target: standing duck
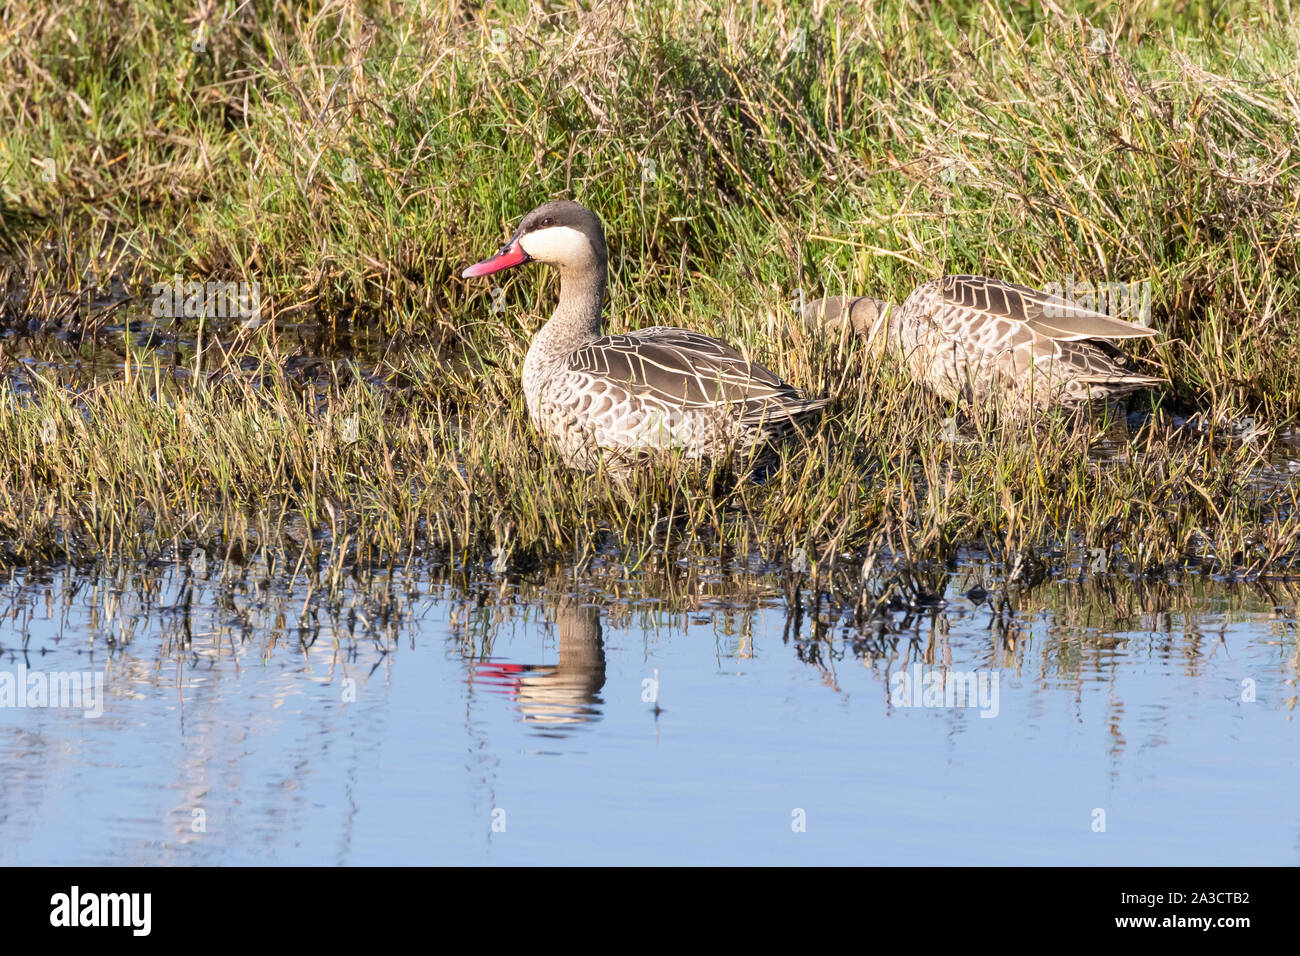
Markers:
<point>624,396</point>
<point>987,341</point>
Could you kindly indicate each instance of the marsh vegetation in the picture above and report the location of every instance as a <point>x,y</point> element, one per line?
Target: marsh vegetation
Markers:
<point>349,159</point>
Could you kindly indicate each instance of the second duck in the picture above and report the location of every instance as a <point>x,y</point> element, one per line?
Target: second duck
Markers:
<point>992,342</point>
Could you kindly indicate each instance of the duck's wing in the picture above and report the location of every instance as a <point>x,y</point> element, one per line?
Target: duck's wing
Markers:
<point>1020,330</point>
<point>978,301</point>
<point>682,369</point>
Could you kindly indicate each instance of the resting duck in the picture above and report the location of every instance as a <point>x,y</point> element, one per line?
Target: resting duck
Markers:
<point>621,397</point>
<point>986,340</point>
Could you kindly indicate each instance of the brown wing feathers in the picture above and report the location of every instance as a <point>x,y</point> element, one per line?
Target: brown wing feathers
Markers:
<point>682,369</point>
<point>1042,312</point>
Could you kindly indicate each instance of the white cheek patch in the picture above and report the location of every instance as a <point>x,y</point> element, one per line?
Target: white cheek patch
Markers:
<point>558,244</point>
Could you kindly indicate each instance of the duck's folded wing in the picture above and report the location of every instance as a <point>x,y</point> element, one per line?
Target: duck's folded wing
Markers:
<point>680,368</point>
<point>1040,312</point>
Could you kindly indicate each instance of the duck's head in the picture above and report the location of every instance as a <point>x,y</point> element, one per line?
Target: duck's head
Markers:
<point>562,233</point>
<point>870,318</point>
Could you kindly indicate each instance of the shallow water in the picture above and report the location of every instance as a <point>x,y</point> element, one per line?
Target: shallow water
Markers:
<point>421,718</point>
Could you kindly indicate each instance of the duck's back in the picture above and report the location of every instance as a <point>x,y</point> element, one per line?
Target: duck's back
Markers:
<point>987,339</point>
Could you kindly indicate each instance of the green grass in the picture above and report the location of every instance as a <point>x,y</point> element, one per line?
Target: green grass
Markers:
<point>351,158</point>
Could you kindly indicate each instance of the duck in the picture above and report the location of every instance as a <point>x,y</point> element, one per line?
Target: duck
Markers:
<point>989,341</point>
<point>623,398</point>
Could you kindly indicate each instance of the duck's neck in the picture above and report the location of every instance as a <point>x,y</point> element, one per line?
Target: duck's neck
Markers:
<point>574,323</point>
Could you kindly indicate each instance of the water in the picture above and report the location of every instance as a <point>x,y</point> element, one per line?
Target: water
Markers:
<point>433,718</point>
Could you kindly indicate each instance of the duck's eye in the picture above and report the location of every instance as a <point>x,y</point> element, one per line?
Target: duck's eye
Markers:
<point>548,221</point>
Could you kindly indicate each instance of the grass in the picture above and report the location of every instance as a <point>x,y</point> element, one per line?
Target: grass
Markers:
<point>351,158</point>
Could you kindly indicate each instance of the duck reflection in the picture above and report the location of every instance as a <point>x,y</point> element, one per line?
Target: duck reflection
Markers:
<point>556,696</point>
